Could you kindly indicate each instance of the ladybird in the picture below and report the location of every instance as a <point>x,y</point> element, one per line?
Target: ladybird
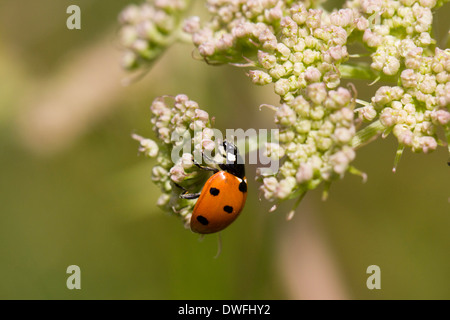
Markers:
<point>223,196</point>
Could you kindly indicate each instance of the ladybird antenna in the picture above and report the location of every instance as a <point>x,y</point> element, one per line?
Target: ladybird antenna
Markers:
<point>219,245</point>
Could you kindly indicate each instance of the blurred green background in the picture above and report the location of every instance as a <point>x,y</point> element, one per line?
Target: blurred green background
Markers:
<point>74,190</point>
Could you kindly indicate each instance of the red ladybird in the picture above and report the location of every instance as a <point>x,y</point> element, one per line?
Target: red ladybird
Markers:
<point>222,197</point>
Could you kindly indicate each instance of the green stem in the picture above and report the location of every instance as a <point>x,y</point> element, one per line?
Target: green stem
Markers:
<point>447,136</point>
<point>357,71</point>
<point>367,134</point>
<point>358,172</point>
<point>398,155</point>
<point>362,71</point>
<point>291,213</point>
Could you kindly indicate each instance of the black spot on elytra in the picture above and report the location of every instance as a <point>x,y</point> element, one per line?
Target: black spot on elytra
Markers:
<point>243,186</point>
<point>214,191</point>
<point>202,220</point>
<point>228,209</point>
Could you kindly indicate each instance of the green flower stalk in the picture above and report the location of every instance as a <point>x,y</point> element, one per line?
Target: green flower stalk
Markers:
<point>302,50</point>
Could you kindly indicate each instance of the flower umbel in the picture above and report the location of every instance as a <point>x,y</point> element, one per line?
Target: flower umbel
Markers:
<point>177,122</point>
<point>302,50</point>
<point>147,29</point>
<point>316,132</point>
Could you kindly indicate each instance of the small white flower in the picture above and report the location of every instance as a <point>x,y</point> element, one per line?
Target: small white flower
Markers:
<point>367,113</point>
<point>163,200</point>
<point>304,173</point>
<point>150,147</point>
<point>312,74</point>
<point>269,186</point>
<point>282,86</point>
<point>343,135</point>
<point>441,117</point>
<point>274,150</point>
<point>391,66</point>
<point>259,77</point>
<point>192,24</point>
<point>285,187</point>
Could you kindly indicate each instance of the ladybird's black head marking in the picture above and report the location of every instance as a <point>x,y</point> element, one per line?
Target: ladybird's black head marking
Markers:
<point>202,220</point>
<point>243,186</point>
<point>234,164</point>
<point>214,191</point>
<point>228,209</point>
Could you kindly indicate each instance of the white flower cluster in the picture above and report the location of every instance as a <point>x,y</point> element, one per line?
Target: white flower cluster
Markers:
<point>178,122</point>
<point>149,28</point>
<point>292,46</point>
<point>402,43</point>
<point>316,130</point>
<point>415,110</point>
<point>386,23</point>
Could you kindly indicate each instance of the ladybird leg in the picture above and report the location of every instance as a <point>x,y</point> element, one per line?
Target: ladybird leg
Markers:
<point>180,187</point>
<point>206,168</point>
<point>190,195</point>
<point>186,194</point>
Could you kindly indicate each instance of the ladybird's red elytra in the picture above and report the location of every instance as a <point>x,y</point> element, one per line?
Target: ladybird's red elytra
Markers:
<point>220,203</point>
<point>222,197</point>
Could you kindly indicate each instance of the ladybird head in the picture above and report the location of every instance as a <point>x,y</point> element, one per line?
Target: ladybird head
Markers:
<point>234,163</point>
